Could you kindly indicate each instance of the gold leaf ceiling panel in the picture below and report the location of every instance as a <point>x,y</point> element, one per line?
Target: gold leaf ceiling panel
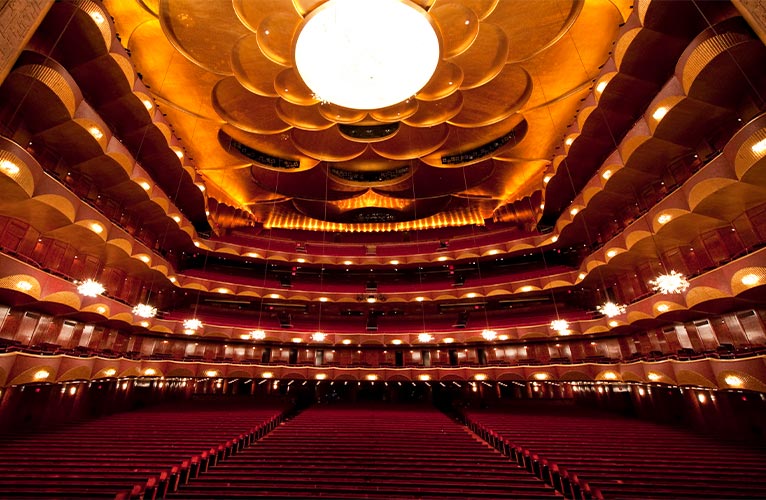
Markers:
<point>508,82</point>
<point>202,31</point>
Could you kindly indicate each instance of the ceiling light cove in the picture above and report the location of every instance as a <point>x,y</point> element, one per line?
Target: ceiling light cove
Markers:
<point>354,54</point>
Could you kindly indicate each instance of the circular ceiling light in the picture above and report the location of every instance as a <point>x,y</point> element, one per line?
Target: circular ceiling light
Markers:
<point>354,54</point>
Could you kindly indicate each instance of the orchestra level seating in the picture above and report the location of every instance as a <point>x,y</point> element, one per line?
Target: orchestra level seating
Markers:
<point>615,457</point>
<point>148,448</point>
<point>376,451</point>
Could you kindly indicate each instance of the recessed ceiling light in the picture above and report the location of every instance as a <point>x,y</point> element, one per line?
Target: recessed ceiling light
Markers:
<point>664,218</point>
<point>759,147</point>
<point>601,86</point>
<point>750,279</point>
<point>660,113</point>
<point>9,167</point>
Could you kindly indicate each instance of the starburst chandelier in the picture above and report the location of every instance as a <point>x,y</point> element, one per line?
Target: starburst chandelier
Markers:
<point>670,283</point>
<point>192,324</point>
<point>560,325</point>
<point>610,309</point>
<point>257,335</point>
<point>318,337</point>
<point>489,334</point>
<point>425,337</point>
<point>145,311</point>
<point>90,288</point>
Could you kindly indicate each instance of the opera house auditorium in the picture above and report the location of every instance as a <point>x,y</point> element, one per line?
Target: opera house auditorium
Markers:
<point>383,249</point>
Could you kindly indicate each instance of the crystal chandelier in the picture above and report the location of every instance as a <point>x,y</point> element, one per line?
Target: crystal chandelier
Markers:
<point>90,288</point>
<point>318,337</point>
<point>425,337</point>
<point>145,311</point>
<point>192,324</point>
<point>489,334</point>
<point>257,335</point>
<point>610,309</point>
<point>560,325</point>
<point>670,283</point>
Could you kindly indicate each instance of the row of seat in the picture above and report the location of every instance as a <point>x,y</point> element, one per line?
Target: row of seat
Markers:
<point>369,452</point>
<point>143,453</point>
<point>588,455</point>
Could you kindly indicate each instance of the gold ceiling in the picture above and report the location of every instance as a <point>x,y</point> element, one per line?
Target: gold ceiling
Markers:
<point>477,136</point>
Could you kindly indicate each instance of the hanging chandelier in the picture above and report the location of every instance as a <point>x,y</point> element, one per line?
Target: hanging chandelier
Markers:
<point>560,325</point>
<point>257,335</point>
<point>610,309</point>
<point>670,283</point>
<point>192,324</point>
<point>318,337</point>
<point>90,288</point>
<point>145,311</point>
<point>489,334</point>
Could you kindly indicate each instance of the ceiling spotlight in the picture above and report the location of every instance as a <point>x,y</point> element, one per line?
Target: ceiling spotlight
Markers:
<point>145,311</point>
<point>606,174</point>
<point>670,283</point>
<point>424,377</point>
<point>296,340</point>
<point>448,340</point>
<point>480,376</point>
<point>394,262</point>
<point>601,86</point>
<point>654,377</point>
<point>396,342</point>
<point>267,375</point>
<point>41,375</point>
<point>610,309</point>
<point>320,376</point>
<point>346,342</point>
<point>540,376</point>
<point>443,258</point>
<point>347,262</point>
<point>372,376</point>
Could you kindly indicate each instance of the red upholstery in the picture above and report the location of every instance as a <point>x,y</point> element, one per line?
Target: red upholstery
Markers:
<point>148,448</point>
<point>373,452</point>
<point>615,457</point>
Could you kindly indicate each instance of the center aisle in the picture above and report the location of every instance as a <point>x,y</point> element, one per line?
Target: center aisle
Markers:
<point>371,451</point>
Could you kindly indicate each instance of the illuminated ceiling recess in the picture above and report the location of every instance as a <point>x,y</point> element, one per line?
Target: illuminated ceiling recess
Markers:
<point>366,55</point>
